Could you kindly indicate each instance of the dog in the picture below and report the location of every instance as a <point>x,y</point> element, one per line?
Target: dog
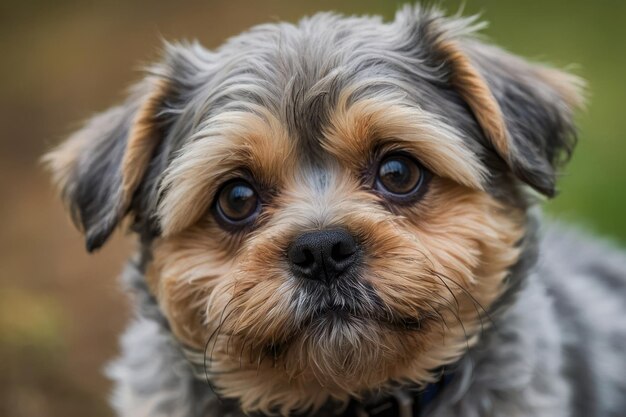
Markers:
<point>339,217</point>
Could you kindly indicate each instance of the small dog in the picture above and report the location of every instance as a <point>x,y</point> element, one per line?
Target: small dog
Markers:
<point>336,218</point>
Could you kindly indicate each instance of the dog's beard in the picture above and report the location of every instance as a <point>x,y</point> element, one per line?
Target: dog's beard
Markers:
<point>336,334</point>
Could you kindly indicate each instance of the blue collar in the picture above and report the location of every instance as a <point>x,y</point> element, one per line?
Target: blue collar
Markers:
<point>406,402</point>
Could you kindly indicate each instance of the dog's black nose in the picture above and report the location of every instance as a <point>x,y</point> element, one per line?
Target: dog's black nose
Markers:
<point>322,255</point>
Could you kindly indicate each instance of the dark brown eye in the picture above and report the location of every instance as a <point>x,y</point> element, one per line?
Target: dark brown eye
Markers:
<point>399,175</point>
<point>237,203</point>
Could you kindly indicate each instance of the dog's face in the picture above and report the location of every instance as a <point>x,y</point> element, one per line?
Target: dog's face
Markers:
<point>329,207</point>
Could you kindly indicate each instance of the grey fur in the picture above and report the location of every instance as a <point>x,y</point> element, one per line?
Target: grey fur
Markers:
<point>552,351</point>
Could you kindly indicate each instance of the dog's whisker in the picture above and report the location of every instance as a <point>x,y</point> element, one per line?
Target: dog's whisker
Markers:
<point>444,323</point>
<point>483,313</point>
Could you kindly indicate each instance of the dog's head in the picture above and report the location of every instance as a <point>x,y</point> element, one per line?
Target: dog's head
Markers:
<point>328,207</point>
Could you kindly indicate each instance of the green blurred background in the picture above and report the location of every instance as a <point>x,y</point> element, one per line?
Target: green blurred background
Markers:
<point>61,310</point>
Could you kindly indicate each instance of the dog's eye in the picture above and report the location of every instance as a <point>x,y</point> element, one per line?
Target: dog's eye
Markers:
<point>399,176</point>
<point>237,203</point>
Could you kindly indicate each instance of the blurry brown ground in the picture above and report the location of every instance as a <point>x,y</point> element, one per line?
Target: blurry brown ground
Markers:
<point>60,309</point>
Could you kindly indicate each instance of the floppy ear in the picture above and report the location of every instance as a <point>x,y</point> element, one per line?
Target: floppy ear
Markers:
<point>99,168</point>
<point>525,110</point>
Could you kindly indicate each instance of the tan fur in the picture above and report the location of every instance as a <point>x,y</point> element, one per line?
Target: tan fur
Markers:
<point>231,296</point>
<point>232,141</point>
<point>143,139</point>
<point>472,86</point>
<point>569,87</point>
<point>355,129</point>
<point>474,90</point>
<point>182,276</point>
<point>62,161</point>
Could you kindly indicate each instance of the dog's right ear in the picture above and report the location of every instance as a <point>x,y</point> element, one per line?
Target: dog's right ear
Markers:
<point>100,168</point>
<point>109,167</point>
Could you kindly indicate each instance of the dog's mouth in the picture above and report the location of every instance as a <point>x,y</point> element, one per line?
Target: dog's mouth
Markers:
<point>342,314</point>
<point>351,305</point>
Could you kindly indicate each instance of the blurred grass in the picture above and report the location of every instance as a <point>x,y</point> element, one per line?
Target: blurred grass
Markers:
<point>60,310</point>
<point>27,319</point>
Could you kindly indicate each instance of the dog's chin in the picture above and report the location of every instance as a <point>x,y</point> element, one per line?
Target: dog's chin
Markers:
<point>340,319</point>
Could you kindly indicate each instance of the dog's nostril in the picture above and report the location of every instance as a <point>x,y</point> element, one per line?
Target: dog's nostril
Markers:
<point>305,259</point>
<point>342,251</point>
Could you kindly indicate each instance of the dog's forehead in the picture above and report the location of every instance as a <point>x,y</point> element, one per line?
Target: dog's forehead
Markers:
<point>298,72</point>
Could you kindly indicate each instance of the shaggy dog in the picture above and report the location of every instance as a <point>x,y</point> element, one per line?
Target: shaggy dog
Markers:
<point>336,218</point>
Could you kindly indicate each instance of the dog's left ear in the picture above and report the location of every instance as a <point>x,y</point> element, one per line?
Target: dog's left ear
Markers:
<point>525,110</point>
<point>99,168</point>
